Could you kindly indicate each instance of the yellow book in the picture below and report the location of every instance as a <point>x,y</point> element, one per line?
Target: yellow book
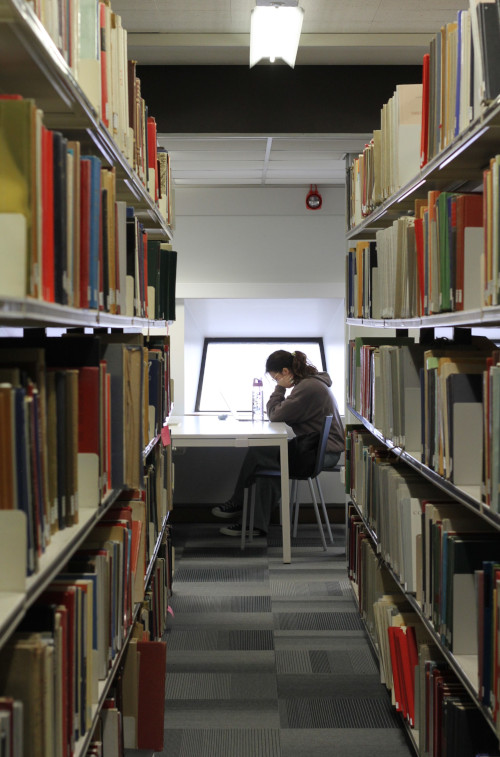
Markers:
<point>18,177</point>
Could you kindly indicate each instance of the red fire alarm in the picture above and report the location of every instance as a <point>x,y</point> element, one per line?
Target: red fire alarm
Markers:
<point>313,200</point>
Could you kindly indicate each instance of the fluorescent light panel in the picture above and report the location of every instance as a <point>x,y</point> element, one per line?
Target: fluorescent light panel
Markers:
<point>275,33</point>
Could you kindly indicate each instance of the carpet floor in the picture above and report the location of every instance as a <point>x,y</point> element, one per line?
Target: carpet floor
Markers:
<point>270,660</point>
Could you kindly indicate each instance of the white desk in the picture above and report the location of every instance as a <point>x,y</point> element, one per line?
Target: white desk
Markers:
<point>209,431</point>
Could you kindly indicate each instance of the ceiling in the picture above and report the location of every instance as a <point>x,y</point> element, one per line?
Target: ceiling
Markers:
<point>216,32</point>
<point>259,160</point>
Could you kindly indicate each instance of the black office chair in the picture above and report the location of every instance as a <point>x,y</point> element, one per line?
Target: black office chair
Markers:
<point>294,501</point>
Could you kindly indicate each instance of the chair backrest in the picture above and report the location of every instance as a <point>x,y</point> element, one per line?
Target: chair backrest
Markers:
<point>323,439</point>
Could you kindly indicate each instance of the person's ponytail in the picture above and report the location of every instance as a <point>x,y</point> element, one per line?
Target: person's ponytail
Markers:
<point>296,362</point>
<point>301,367</point>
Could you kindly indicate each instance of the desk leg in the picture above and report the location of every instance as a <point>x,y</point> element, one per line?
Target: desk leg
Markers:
<point>285,502</point>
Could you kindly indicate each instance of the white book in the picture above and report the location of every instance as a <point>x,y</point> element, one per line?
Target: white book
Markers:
<point>13,255</point>
<point>473,281</point>
<point>409,123</point>
<point>410,362</point>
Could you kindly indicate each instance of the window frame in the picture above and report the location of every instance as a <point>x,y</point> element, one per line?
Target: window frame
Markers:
<point>252,340</point>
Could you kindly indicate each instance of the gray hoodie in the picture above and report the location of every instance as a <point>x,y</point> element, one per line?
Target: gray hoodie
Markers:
<point>305,408</point>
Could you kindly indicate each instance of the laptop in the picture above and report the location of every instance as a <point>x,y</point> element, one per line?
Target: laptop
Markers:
<point>239,415</point>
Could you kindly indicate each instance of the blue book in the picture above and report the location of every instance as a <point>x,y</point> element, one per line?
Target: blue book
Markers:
<point>94,231</point>
<point>23,471</point>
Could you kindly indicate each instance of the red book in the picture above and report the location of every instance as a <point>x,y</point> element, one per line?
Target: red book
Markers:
<point>396,668</point>
<point>408,672</point>
<point>103,426</point>
<point>66,596</point>
<point>104,75</point>
<point>469,214</point>
<point>151,695</point>
<point>85,192</point>
<point>48,281</point>
<point>424,133</point>
<point>152,154</point>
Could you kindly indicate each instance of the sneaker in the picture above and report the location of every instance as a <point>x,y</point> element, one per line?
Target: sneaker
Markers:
<point>227,510</point>
<point>235,530</point>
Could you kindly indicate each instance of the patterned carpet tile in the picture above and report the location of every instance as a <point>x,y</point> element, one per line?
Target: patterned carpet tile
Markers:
<point>208,603</point>
<point>198,639</point>
<point>224,621</point>
<point>222,714</point>
<point>216,742</point>
<point>224,553</point>
<point>225,661</point>
<point>284,588</point>
<point>322,662</point>
<point>355,742</point>
<point>338,712</point>
<point>231,574</point>
<point>330,686</point>
<point>234,686</point>
<point>318,621</point>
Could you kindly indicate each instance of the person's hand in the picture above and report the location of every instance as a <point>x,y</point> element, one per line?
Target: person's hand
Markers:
<point>285,381</point>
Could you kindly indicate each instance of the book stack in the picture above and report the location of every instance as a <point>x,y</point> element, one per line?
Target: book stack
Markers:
<point>70,641</point>
<point>430,262</point>
<point>76,414</point>
<point>422,685</point>
<point>460,74</point>
<point>459,79</point>
<point>391,158</point>
<point>453,400</point>
<point>67,231</point>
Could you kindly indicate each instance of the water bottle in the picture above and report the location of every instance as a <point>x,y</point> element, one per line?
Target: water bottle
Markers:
<point>257,400</point>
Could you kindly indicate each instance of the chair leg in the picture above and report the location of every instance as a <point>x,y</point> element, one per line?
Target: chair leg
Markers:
<point>316,511</point>
<point>323,507</point>
<point>296,505</point>
<point>244,518</point>
<point>252,512</point>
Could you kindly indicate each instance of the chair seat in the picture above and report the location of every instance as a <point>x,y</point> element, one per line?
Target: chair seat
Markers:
<point>312,477</point>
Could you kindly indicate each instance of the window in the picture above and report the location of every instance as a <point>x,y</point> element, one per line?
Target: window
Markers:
<point>229,366</point>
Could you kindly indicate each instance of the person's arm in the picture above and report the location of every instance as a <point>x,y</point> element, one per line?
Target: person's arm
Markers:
<point>291,409</point>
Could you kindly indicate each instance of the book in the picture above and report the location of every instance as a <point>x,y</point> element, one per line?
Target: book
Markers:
<point>89,411</point>
<point>60,218</point>
<point>24,676</point>
<point>85,235</point>
<point>18,178</point>
<point>48,278</point>
<point>151,695</point>
<point>469,243</point>
<point>489,41</point>
<point>14,255</point>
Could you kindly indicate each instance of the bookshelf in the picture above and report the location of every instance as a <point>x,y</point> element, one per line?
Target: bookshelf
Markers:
<point>101,567</point>
<point>399,493</point>
<point>31,65</point>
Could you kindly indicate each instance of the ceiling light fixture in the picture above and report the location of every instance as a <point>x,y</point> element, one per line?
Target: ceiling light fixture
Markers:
<point>275,28</point>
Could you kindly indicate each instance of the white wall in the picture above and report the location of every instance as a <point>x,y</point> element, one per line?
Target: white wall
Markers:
<point>258,242</point>
<point>255,262</point>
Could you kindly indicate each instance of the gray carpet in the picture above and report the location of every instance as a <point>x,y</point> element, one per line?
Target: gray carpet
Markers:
<point>270,660</point>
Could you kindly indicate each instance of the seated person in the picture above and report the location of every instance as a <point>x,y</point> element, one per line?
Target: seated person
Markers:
<point>304,409</point>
